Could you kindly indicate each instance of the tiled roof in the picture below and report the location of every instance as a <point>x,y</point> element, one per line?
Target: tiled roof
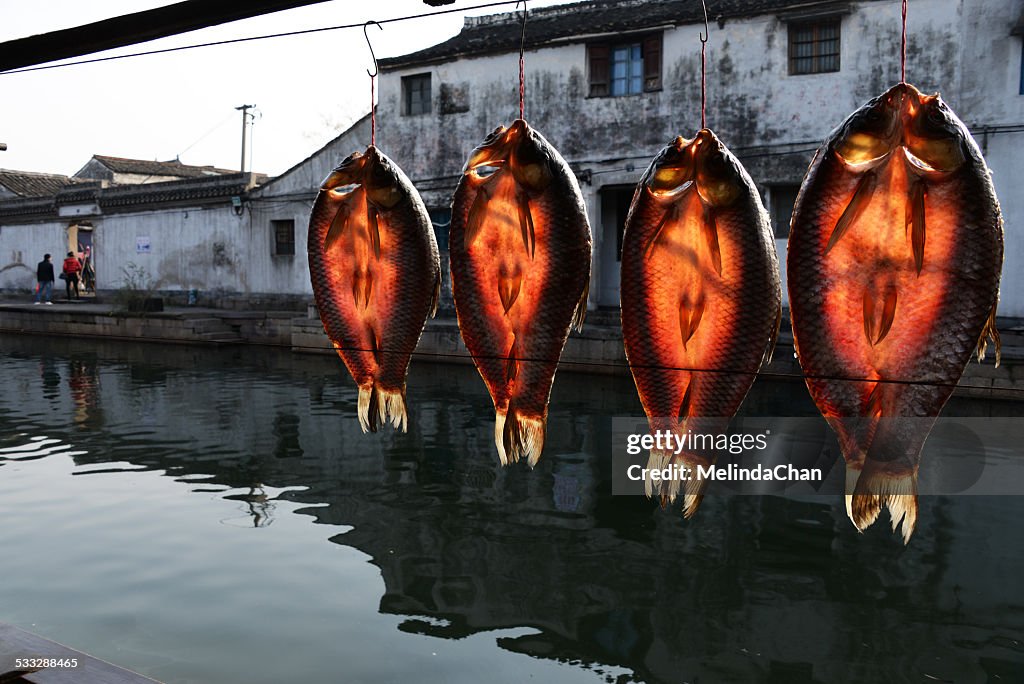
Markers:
<point>30,184</point>
<point>498,33</point>
<point>120,198</point>
<point>158,168</point>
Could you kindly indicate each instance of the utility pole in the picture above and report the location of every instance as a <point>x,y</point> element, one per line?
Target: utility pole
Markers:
<point>246,116</point>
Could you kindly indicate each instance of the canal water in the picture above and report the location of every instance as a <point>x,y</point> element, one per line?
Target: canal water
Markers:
<point>206,515</point>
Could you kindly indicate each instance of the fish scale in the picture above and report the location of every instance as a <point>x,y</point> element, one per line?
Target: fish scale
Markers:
<point>520,261</point>
<point>375,271</point>
<point>888,306</point>
<point>700,235</point>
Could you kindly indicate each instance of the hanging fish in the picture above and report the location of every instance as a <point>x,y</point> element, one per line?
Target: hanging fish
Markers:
<point>376,275</point>
<point>701,298</point>
<point>520,259</point>
<point>894,262</point>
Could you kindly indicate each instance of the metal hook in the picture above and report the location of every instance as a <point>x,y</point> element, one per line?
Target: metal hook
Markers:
<point>372,74</point>
<point>704,36</point>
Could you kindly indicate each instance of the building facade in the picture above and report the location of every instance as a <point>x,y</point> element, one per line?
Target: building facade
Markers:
<point>610,83</point>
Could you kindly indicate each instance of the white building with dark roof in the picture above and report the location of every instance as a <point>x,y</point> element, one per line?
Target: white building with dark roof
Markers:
<point>610,83</point>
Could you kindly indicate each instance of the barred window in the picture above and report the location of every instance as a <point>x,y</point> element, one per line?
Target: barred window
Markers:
<point>284,237</point>
<point>814,47</point>
<point>416,94</point>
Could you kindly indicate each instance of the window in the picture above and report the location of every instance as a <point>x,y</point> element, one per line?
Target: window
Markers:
<point>782,198</point>
<point>284,237</point>
<point>626,68</point>
<point>814,47</point>
<point>442,222</point>
<point>416,94</point>
<point>1021,89</point>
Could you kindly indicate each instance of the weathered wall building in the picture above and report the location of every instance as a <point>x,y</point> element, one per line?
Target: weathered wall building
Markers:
<point>609,84</point>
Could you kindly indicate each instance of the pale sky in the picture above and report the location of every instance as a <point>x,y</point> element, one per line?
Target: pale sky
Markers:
<point>307,88</point>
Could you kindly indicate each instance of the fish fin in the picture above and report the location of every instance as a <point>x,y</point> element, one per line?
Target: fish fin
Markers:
<point>336,229</point>
<point>990,332</point>
<point>773,338</point>
<point>362,285</point>
<point>917,225</point>
<point>693,494</point>
<point>508,289</point>
<point>689,318</point>
<point>877,490</point>
<point>373,228</point>
<point>888,314</point>
<point>475,220</point>
<point>657,460</point>
<point>865,188</point>
<point>684,405</point>
<point>366,401</point>
<point>435,298</point>
<point>526,222</point>
<point>391,407</point>
<point>511,363</point>
<point>375,347</point>
<point>522,437</point>
<point>581,309</point>
<point>869,316</point>
<point>670,215</point>
<point>499,435</point>
<point>873,409</point>
<point>710,229</point>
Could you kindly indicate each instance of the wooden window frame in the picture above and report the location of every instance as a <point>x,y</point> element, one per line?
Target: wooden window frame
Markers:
<point>817,56</point>
<point>599,64</point>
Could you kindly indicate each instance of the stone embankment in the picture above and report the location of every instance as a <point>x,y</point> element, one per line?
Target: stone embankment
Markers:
<point>598,349</point>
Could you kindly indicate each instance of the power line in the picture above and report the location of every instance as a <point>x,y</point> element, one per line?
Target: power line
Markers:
<point>286,34</point>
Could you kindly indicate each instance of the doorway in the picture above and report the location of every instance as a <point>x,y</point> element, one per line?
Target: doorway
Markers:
<point>615,201</point>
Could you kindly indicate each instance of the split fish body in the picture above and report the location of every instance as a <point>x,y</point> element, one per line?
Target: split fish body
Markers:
<point>520,260</point>
<point>894,261</point>
<point>701,298</point>
<point>376,275</point>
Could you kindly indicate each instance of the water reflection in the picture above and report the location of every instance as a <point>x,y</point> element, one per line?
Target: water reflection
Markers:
<point>757,589</point>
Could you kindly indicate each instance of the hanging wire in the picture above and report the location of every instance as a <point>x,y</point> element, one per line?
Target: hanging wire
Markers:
<point>703,68</point>
<point>711,371</point>
<point>522,62</point>
<point>286,34</point>
<point>903,46</point>
<point>373,79</point>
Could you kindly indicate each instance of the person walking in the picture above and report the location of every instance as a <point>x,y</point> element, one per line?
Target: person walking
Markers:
<point>72,268</point>
<point>44,279</point>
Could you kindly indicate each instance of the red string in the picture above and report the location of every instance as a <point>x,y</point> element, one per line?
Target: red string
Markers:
<point>703,84</point>
<point>903,46</point>
<point>373,116</point>
<point>522,84</point>
<point>522,64</point>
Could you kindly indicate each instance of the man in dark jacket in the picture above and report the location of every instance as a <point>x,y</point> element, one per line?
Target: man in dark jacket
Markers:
<point>44,276</point>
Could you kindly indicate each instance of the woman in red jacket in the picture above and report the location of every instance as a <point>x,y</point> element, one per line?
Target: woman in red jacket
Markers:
<point>71,270</point>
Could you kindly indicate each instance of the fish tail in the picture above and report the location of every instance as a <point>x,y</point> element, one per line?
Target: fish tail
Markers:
<point>519,436</point>
<point>692,490</point>
<point>877,490</point>
<point>990,332</point>
<point>367,399</point>
<point>391,407</point>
